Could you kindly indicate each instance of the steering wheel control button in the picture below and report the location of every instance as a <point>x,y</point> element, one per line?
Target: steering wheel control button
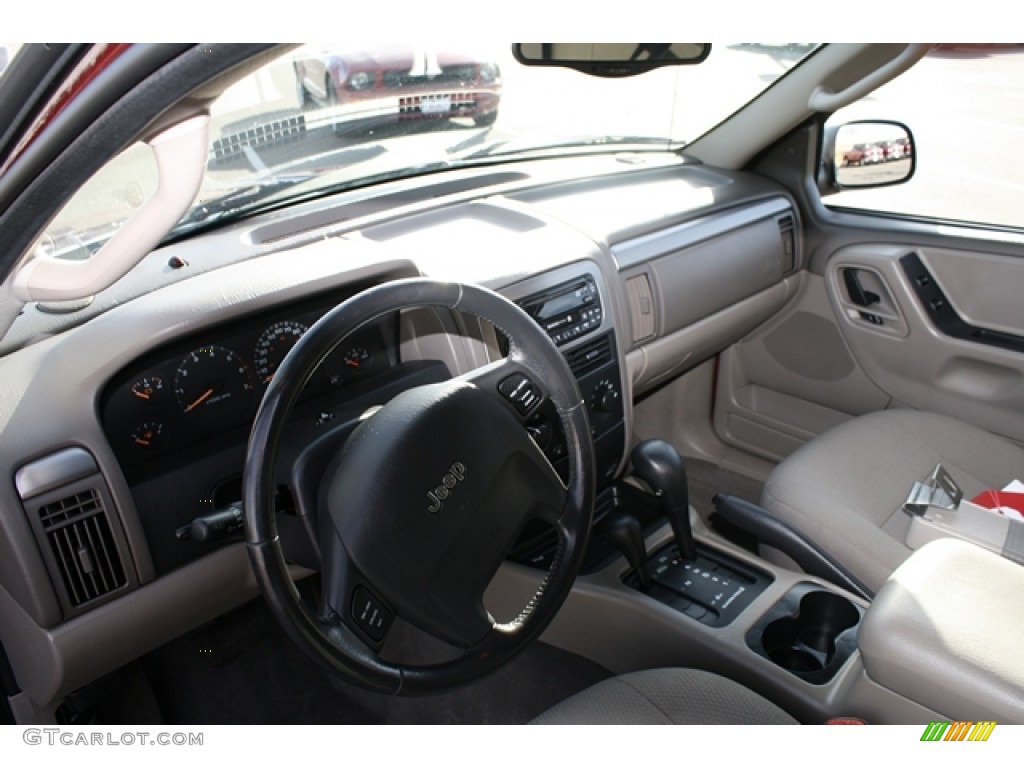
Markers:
<point>370,614</point>
<point>521,392</point>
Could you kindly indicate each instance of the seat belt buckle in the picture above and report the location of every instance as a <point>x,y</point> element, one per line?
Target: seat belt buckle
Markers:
<point>939,489</point>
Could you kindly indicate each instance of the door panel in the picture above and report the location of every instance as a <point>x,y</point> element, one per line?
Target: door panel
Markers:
<point>945,334</point>
<point>792,379</point>
<point>861,339</point>
<point>926,368</point>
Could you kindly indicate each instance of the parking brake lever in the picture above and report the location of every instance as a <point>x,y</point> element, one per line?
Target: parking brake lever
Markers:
<point>777,533</point>
<point>625,532</point>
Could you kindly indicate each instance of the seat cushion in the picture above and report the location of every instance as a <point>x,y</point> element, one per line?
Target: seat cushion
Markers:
<point>845,489</point>
<point>671,696</point>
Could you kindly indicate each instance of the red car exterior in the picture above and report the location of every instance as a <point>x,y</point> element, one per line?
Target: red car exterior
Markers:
<point>409,82</point>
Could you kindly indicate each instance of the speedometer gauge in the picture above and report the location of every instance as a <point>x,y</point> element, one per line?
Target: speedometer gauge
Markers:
<point>273,345</point>
<point>213,382</point>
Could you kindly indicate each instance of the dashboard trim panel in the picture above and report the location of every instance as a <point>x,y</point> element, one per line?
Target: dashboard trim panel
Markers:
<point>631,253</point>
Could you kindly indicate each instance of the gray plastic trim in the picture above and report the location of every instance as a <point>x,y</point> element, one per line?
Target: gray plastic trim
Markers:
<point>642,249</point>
<point>53,471</point>
<point>51,663</point>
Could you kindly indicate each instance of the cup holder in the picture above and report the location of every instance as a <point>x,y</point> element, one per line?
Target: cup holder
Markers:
<point>804,633</point>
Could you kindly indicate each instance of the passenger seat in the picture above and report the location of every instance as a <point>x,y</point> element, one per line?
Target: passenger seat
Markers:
<point>845,489</point>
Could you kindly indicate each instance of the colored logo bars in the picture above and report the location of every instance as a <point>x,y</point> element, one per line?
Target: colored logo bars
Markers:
<point>961,730</point>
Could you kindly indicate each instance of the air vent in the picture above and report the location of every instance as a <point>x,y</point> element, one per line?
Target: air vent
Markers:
<point>82,543</point>
<point>787,225</point>
<point>590,356</point>
<point>79,533</point>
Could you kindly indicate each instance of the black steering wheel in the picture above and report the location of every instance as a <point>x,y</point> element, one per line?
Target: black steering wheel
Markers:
<point>425,499</point>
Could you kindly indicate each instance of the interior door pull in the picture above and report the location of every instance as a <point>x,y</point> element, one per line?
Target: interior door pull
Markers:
<point>856,291</point>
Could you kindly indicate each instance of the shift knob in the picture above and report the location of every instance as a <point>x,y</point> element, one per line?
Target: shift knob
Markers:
<point>660,466</point>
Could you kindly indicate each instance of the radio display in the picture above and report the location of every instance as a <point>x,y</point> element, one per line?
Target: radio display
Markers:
<point>568,311</point>
<point>558,305</point>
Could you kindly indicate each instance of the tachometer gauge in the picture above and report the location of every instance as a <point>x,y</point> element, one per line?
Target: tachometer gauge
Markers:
<point>148,435</point>
<point>273,345</point>
<point>150,389</point>
<point>214,383</point>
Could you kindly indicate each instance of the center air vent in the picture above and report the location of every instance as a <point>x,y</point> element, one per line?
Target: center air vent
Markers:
<point>590,356</point>
<point>83,546</point>
<point>72,515</point>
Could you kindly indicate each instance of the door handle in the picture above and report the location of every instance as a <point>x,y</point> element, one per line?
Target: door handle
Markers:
<point>856,291</point>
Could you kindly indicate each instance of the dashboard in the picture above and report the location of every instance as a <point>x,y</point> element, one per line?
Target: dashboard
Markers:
<point>150,392</point>
<point>175,398</point>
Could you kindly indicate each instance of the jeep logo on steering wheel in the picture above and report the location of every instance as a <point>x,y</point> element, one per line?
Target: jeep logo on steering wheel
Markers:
<point>455,475</point>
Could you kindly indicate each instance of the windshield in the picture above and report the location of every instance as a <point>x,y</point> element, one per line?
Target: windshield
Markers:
<point>7,52</point>
<point>327,117</point>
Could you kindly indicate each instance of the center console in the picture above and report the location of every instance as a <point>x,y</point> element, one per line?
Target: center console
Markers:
<point>571,304</point>
<point>942,631</point>
<point>681,595</point>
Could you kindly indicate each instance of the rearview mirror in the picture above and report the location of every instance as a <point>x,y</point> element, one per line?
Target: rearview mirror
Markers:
<point>610,59</point>
<point>872,154</point>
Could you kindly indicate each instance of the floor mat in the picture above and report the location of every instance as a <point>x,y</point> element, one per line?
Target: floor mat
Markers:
<point>243,670</point>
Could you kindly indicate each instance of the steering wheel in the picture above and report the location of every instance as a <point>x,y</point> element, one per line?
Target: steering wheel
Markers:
<point>423,502</point>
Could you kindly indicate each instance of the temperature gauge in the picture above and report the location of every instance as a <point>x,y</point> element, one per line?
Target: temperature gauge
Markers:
<point>148,435</point>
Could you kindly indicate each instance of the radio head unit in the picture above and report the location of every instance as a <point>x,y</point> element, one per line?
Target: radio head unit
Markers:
<point>567,311</point>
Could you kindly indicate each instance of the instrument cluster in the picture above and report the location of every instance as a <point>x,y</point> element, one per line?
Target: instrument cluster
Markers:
<point>212,385</point>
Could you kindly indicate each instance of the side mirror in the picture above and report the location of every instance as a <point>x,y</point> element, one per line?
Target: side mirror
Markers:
<point>867,154</point>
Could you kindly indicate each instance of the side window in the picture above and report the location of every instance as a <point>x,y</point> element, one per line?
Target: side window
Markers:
<point>965,107</point>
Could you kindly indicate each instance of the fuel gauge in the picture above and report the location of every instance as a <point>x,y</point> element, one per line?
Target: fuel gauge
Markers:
<point>357,359</point>
<point>149,389</point>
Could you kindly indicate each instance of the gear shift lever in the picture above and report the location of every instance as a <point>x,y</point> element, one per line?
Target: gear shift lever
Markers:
<point>660,466</point>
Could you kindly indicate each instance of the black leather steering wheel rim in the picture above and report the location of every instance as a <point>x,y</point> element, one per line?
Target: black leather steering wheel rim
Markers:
<point>324,636</point>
